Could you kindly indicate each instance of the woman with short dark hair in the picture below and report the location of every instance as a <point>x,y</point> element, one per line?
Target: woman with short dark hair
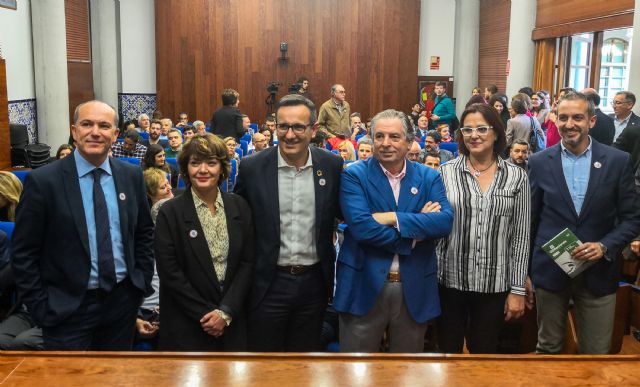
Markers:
<point>483,262</point>
<point>204,249</point>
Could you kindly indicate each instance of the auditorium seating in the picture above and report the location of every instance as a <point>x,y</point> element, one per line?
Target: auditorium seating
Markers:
<point>144,135</point>
<point>450,146</point>
<point>131,160</point>
<point>244,146</point>
<point>7,227</point>
<point>173,162</point>
<point>21,174</point>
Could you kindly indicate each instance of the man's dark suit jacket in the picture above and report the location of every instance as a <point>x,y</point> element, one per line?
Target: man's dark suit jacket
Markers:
<point>189,286</point>
<point>604,129</point>
<point>610,214</point>
<point>629,139</point>
<point>258,184</point>
<point>227,122</point>
<point>51,257</point>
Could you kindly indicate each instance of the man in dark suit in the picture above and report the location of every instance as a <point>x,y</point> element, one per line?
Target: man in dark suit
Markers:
<point>227,121</point>
<point>293,193</point>
<point>588,188</point>
<point>604,129</point>
<point>627,125</point>
<point>82,245</point>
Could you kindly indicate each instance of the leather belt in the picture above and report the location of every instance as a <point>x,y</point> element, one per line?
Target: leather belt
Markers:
<point>393,276</point>
<point>297,269</point>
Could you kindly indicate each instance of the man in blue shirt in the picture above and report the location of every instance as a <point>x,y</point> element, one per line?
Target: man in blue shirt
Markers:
<point>82,244</point>
<point>588,188</point>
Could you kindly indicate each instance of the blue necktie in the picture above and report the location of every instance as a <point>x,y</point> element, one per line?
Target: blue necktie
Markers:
<point>106,265</point>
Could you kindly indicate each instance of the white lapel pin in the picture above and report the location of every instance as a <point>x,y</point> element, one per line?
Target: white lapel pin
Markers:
<point>193,234</point>
<point>597,164</point>
<point>414,190</point>
<point>122,196</point>
<point>322,182</point>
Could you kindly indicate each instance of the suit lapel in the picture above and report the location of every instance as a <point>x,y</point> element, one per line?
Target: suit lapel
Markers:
<point>270,182</point>
<point>380,183</point>
<point>195,236</point>
<point>595,174</point>
<point>409,189</point>
<point>232,214</point>
<point>122,191</point>
<point>558,175</point>
<point>320,186</point>
<point>71,185</point>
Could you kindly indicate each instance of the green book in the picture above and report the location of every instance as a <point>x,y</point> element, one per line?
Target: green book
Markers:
<point>559,248</point>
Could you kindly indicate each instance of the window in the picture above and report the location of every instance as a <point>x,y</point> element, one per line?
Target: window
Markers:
<point>580,65</point>
<point>614,65</point>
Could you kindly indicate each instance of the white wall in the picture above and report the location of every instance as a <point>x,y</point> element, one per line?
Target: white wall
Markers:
<point>17,50</point>
<point>138,46</point>
<point>437,30</point>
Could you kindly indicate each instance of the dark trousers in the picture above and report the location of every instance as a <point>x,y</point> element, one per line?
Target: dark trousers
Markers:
<point>102,322</point>
<point>290,316</point>
<point>477,316</point>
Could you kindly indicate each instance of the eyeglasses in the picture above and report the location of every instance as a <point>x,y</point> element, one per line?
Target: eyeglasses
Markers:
<point>618,103</point>
<point>297,128</point>
<point>480,130</point>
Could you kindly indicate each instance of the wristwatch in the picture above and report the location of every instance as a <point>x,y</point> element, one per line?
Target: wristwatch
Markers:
<point>603,247</point>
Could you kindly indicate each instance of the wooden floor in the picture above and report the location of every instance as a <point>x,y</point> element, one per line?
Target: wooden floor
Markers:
<point>318,370</point>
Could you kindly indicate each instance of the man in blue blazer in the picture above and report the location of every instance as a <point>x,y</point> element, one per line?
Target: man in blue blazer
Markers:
<point>83,241</point>
<point>386,270</point>
<point>587,187</point>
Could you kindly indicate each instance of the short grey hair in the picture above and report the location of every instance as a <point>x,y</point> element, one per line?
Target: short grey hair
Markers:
<point>196,124</point>
<point>76,112</point>
<point>365,140</point>
<point>334,88</point>
<point>391,114</point>
<point>577,96</point>
<point>141,116</point>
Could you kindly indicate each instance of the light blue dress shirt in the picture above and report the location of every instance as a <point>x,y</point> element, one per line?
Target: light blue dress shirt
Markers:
<point>111,197</point>
<point>576,171</point>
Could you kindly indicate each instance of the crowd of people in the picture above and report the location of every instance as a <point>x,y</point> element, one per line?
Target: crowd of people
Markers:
<point>338,229</point>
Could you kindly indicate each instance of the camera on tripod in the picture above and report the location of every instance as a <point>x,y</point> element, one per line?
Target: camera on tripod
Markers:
<point>272,88</point>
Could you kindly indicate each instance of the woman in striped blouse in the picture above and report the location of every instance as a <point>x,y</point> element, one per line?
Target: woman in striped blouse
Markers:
<point>483,263</point>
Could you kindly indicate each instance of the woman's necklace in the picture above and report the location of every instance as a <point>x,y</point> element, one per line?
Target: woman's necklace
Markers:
<point>476,171</point>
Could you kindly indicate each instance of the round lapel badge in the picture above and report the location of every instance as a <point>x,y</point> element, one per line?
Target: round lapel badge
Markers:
<point>193,234</point>
<point>322,182</point>
<point>414,190</point>
<point>122,196</point>
<point>597,164</point>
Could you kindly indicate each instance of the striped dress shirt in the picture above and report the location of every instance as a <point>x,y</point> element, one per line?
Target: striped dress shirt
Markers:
<point>488,248</point>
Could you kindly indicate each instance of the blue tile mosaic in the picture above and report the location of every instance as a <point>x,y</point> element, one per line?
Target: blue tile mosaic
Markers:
<point>24,112</point>
<point>130,106</point>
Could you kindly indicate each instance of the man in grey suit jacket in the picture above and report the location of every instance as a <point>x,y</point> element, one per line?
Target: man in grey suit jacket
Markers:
<point>627,124</point>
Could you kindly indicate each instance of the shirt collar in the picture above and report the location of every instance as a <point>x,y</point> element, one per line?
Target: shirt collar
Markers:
<point>84,167</point>
<point>199,202</point>
<point>568,152</point>
<point>624,120</point>
<point>283,164</point>
<point>391,175</point>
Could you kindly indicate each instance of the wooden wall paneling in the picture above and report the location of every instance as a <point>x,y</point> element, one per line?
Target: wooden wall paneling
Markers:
<point>5,139</point>
<point>569,17</point>
<point>495,16</point>
<point>79,66</point>
<point>369,46</point>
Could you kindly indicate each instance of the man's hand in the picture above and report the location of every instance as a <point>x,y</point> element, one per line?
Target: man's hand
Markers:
<point>513,307</point>
<point>635,247</point>
<point>530,294</point>
<point>589,251</point>
<point>435,117</point>
<point>430,207</point>
<point>385,218</point>
<point>146,330</point>
<point>213,324</point>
